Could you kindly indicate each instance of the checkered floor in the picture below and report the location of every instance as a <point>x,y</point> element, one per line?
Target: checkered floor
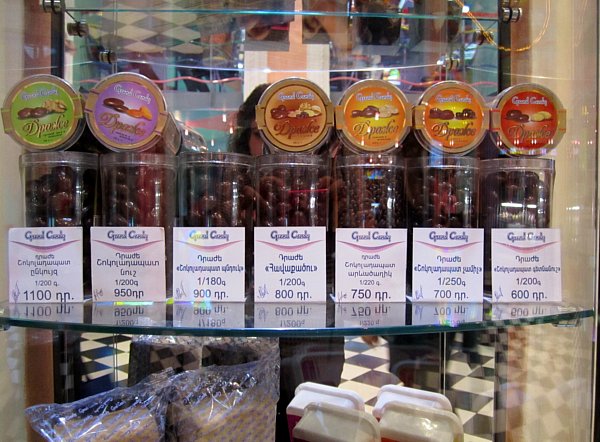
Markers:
<point>468,379</point>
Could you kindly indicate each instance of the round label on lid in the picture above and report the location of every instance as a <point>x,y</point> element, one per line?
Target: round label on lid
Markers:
<point>126,112</point>
<point>43,112</point>
<point>294,115</point>
<point>373,116</point>
<point>528,119</point>
<point>451,118</point>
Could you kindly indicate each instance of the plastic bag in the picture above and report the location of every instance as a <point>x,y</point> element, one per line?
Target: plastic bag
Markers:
<point>119,415</point>
<point>228,403</point>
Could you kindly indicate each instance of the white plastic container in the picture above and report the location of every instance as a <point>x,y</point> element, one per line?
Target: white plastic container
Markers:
<point>411,423</point>
<point>331,423</point>
<point>310,392</point>
<point>412,396</point>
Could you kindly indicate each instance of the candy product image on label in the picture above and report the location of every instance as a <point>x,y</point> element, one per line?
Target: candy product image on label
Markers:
<point>373,116</point>
<point>127,112</point>
<point>451,118</point>
<point>294,115</point>
<point>527,120</point>
<point>43,112</point>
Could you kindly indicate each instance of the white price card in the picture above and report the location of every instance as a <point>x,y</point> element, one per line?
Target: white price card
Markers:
<point>289,264</point>
<point>52,312</point>
<point>218,315</point>
<point>448,314</point>
<point>526,265</point>
<point>128,264</point>
<point>45,264</point>
<point>447,265</point>
<point>130,314</point>
<point>383,314</point>
<point>370,265</point>
<point>290,315</point>
<point>209,264</point>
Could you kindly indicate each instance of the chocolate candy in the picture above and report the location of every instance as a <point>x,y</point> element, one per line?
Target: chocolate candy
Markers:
<point>293,190</point>
<point>38,112</point>
<point>24,113</point>
<point>369,192</point>
<point>113,102</point>
<point>216,190</point>
<point>442,193</point>
<point>516,115</point>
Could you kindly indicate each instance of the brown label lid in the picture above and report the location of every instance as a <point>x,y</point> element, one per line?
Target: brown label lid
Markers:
<point>373,116</point>
<point>43,112</point>
<point>294,115</point>
<point>451,118</point>
<point>126,112</point>
<point>528,120</point>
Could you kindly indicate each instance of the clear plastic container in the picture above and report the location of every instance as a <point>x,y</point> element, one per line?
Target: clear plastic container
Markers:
<point>406,395</point>
<point>310,392</point>
<point>369,191</point>
<point>293,190</point>
<point>216,190</point>
<point>60,190</point>
<point>412,423</point>
<point>515,193</point>
<point>442,192</point>
<point>330,423</point>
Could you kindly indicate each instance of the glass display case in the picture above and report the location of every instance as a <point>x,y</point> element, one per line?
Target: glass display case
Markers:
<point>511,371</point>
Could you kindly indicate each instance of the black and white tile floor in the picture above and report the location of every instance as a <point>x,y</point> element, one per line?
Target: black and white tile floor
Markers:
<point>468,385</point>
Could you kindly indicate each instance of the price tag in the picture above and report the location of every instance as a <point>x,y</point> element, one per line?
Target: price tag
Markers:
<point>128,264</point>
<point>383,314</point>
<point>370,265</point>
<point>133,314</point>
<point>209,264</point>
<point>289,264</point>
<point>290,315</point>
<point>45,264</point>
<point>526,265</point>
<point>449,314</point>
<point>447,265</point>
<point>62,312</point>
<point>209,315</point>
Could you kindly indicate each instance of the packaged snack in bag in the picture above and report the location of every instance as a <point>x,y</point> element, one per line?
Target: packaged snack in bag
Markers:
<point>119,415</point>
<point>227,403</point>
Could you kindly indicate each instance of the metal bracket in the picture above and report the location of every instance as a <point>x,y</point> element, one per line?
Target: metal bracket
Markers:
<point>511,14</point>
<point>56,6</point>
<point>449,63</point>
<point>568,323</point>
<point>481,37</point>
<point>78,29</point>
<point>107,56</point>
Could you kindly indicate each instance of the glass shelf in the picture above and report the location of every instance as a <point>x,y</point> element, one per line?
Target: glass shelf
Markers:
<point>337,8</point>
<point>251,319</point>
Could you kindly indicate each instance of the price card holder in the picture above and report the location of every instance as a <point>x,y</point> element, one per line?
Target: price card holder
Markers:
<point>447,265</point>
<point>128,264</point>
<point>526,265</point>
<point>45,264</point>
<point>289,264</point>
<point>217,315</point>
<point>290,315</point>
<point>446,313</point>
<point>53,312</point>
<point>209,264</point>
<point>370,265</point>
<point>130,314</point>
<point>382,314</point>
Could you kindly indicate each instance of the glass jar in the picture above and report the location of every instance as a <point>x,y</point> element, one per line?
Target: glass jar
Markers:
<point>215,190</point>
<point>293,190</point>
<point>442,192</point>
<point>369,191</point>
<point>515,193</point>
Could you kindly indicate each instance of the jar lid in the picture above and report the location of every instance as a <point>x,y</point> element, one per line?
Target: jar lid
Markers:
<point>451,118</point>
<point>43,112</point>
<point>136,159</point>
<point>72,159</point>
<point>373,116</point>
<point>227,159</point>
<point>370,160</point>
<point>126,112</point>
<point>294,115</point>
<point>527,119</point>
